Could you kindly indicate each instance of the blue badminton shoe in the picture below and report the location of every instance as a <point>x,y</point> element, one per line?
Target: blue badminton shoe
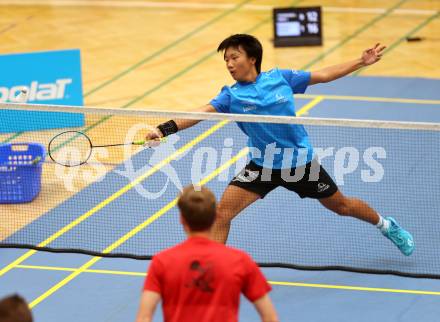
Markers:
<point>399,236</point>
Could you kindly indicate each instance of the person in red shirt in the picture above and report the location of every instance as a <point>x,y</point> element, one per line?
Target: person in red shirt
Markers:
<point>200,280</point>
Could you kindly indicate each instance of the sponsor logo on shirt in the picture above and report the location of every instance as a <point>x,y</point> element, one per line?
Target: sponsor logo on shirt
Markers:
<point>248,106</point>
<point>201,276</point>
<point>280,98</point>
<point>269,72</point>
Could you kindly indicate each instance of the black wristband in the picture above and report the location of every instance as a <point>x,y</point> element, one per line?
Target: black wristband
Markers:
<point>168,128</point>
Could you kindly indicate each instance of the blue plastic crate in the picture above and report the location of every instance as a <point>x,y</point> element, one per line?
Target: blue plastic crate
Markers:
<point>20,171</point>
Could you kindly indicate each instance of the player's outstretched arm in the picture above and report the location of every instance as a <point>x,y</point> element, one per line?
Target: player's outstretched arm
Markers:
<point>369,56</point>
<point>183,124</point>
<point>173,126</point>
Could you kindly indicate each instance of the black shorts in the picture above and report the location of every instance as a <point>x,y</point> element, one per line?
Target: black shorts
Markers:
<point>310,180</point>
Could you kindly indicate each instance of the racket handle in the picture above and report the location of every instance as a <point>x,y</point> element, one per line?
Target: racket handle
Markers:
<point>144,142</point>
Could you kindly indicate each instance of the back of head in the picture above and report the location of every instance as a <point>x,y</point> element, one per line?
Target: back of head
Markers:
<point>250,45</point>
<point>14,309</point>
<point>197,207</point>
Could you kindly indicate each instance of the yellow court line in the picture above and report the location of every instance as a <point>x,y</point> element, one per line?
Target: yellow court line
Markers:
<point>19,260</point>
<point>305,109</point>
<point>134,231</point>
<point>280,283</point>
<point>46,268</point>
<point>116,195</point>
<point>355,288</point>
<point>372,99</point>
<point>69,269</point>
<point>109,272</point>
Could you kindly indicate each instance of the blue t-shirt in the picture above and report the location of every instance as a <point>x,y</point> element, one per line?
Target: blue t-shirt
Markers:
<point>277,146</point>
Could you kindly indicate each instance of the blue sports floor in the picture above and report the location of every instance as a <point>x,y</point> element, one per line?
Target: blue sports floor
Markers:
<point>71,287</point>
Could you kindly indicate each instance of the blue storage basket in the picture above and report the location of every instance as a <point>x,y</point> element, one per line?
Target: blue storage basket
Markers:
<point>20,171</point>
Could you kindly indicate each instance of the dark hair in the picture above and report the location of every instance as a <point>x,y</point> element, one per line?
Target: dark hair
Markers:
<point>250,45</point>
<point>197,207</point>
<point>14,309</point>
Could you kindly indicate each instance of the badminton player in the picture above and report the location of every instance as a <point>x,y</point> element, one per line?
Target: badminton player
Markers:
<point>201,279</point>
<point>271,93</point>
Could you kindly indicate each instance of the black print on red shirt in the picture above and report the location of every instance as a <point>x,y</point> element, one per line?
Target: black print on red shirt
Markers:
<point>201,277</point>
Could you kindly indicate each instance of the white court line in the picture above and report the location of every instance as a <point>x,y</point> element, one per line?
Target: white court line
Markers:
<point>197,5</point>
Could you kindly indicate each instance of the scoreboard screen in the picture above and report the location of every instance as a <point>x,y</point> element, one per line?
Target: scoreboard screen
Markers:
<point>297,26</point>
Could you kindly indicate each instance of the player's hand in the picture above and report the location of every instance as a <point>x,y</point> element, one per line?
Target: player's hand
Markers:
<point>153,138</point>
<point>372,55</point>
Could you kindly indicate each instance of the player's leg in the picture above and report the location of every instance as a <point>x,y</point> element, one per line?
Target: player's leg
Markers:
<point>244,189</point>
<point>233,201</point>
<point>353,207</point>
<point>317,184</point>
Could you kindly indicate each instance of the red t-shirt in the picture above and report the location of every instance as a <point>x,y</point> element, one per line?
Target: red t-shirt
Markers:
<point>201,280</point>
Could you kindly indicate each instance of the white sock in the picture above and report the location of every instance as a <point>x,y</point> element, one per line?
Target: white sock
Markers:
<point>383,224</point>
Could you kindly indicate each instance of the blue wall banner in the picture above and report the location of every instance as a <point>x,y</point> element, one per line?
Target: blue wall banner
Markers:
<point>51,77</point>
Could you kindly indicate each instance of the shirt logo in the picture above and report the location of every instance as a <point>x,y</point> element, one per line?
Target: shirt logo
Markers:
<point>248,106</point>
<point>269,72</point>
<point>280,98</point>
<point>201,277</point>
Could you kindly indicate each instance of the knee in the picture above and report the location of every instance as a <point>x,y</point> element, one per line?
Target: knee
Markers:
<point>223,215</point>
<point>343,207</point>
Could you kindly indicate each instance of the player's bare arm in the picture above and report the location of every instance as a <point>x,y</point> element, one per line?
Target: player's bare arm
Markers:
<point>176,125</point>
<point>369,56</point>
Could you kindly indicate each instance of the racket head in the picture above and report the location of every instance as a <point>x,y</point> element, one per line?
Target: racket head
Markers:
<point>70,148</point>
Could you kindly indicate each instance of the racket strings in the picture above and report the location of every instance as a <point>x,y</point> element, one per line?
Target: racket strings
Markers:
<point>74,148</point>
<point>70,148</point>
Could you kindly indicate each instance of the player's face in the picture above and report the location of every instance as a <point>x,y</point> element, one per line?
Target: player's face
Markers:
<point>239,65</point>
